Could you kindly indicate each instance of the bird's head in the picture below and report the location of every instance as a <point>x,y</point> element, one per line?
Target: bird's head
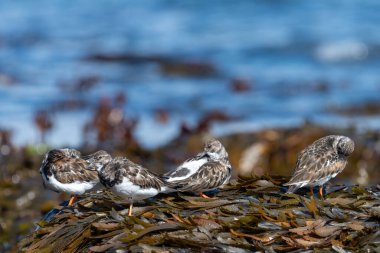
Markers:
<point>215,149</point>
<point>98,159</point>
<point>344,145</point>
<point>58,154</point>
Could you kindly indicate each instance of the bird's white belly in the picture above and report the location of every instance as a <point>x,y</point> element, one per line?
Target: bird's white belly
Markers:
<point>76,188</point>
<point>128,190</point>
<point>192,166</point>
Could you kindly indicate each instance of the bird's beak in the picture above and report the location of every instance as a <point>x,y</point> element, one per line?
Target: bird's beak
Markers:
<point>88,158</point>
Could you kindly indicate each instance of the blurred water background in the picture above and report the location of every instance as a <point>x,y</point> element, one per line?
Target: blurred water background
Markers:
<point>261,63</point>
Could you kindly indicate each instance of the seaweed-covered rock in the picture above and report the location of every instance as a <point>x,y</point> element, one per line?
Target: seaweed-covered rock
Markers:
<point>251,214</point>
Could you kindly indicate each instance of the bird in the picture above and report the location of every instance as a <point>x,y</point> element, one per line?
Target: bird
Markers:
<point>319,162</point>
<point>98,159</point>
<point>206,171</point>
<point>64,170</point>
<point>130,181</point>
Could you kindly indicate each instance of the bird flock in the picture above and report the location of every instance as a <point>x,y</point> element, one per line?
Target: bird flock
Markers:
<point>66,170</point>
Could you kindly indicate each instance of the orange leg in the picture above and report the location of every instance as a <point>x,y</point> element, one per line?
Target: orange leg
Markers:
<point>204,196</point>
<point>130,209</point>
<point>72,199</point>
<point>311,191</point>
<point>321,191</point>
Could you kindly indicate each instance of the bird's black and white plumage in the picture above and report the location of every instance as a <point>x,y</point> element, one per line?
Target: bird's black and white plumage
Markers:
<point>321,161</point>
<point>64,170</point>
<point>98,159</point>
<point>129,180</point>
<point>206,171</point>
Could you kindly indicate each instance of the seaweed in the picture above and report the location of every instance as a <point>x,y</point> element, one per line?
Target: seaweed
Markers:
<point>247,215</point>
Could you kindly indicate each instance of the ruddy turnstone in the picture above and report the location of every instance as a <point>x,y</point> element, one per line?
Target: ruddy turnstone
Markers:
<point>129,180</point>
<point>63,170</point>
<point>97,160</point>
<point>206,171</point>
<point>321,161</point>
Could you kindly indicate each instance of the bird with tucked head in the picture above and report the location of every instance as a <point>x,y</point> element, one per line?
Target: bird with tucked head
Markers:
<point>321,161</point>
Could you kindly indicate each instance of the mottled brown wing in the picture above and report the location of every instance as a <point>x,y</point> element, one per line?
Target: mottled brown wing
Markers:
<point>312,165</point>
<point>211,175</point>
<point>115,171</point>
<point>143,177</point>
<point>70,170</point>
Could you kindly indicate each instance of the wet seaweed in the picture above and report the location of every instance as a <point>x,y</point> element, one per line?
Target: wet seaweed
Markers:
<point>246,215</point>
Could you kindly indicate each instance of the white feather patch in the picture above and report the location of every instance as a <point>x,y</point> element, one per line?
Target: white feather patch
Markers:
<point>193,166</point>
<point>76,188</point>
<point>128,190</point>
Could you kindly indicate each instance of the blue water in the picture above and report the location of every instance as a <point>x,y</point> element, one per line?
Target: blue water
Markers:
<point>277,46</point>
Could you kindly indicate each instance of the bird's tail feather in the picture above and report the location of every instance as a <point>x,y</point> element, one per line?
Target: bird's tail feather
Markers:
<point>292,188</point>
